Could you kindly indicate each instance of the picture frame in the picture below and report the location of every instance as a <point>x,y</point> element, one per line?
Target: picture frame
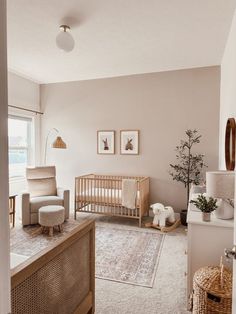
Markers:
<point>129,142</point>
<point>106,142</point>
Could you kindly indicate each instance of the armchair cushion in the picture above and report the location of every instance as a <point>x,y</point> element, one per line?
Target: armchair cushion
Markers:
<point>37,202</point>
<point>41,172</point>
<point>41,181</point>
<point>39,187</point>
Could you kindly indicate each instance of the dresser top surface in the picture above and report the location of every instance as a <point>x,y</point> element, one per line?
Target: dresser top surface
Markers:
<point>195,217</point>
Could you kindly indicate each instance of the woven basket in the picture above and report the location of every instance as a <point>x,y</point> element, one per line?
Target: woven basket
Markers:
<point>212,291</point>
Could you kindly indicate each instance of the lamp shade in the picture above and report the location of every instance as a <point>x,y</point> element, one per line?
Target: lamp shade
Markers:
<point>64,40</point>
<point>220,184</point>
<point>59,143</point>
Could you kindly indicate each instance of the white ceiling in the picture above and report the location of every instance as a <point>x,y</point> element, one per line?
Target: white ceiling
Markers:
<point>115,37</point>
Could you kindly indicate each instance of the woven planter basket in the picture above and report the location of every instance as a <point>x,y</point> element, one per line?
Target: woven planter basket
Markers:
<point>212,291</point>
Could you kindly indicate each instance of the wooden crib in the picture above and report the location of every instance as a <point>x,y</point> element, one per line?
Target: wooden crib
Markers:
<point>101,194</point>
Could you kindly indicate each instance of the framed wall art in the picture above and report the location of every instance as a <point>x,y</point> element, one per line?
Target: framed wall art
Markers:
<point>106,142</point>
<point>129,142</point>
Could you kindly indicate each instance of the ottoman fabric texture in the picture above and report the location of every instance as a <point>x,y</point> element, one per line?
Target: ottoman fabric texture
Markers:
<point>51,215</point>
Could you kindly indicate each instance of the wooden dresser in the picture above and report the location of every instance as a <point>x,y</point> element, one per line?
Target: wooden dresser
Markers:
<point>206,242</point>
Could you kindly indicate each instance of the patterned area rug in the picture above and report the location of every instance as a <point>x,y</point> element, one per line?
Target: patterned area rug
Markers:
<point>123,254</point>
<point>127,256</point>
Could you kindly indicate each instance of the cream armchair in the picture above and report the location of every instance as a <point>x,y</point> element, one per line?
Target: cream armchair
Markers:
<point>42,191</point>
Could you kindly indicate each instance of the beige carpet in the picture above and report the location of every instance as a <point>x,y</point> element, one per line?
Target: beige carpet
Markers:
<point>168,294</point>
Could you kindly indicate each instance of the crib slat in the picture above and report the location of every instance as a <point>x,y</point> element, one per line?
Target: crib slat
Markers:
<point>85,192</point>
<point>81,192</point>
<point>118,194</point>
<point>90,193</point>
<point>102,192</point>
<point>118,198</point>
<point>115,200</point>
<point>98,193</point>
<point>87,195</point>
<point>112,195</point>
<point>106,194</point>
<point>94,197</point>
<point>120,191</point>
<point>76,199</point>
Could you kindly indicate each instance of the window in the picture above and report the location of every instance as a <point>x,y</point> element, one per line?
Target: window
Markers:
<point>20,145</point>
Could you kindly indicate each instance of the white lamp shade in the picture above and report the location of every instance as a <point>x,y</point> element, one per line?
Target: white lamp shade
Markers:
<point>220,184</point>
<point>65,41</point>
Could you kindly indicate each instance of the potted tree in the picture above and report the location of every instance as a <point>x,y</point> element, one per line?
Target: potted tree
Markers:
<point>206,206</point>
<point>189,166</point>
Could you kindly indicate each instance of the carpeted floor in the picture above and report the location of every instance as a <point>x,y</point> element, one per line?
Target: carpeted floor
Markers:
<point>168,294</point>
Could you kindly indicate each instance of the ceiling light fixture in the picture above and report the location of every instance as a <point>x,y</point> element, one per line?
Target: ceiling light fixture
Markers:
<point>64,40</point>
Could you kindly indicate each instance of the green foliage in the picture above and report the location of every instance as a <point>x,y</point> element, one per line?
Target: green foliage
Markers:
<point>204,204</point>
<point>189,165</point>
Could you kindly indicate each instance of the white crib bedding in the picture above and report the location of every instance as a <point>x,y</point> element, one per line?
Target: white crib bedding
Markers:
<point>102,195</point>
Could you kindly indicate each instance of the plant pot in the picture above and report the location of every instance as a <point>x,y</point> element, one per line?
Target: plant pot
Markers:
<point>183,217</point>
<point>206,217</point>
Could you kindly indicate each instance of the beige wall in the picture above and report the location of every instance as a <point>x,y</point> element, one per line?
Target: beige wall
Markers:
<point>161,105</point>
<point>4,211</point>
<point>228,88</point>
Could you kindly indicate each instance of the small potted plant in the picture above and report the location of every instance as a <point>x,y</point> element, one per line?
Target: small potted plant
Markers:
<point>206,205</point>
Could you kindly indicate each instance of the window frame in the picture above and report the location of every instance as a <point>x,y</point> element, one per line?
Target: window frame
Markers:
<point>29,148</point>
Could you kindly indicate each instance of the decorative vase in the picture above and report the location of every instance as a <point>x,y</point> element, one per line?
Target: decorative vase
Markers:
<point>206,216</point>
<point>183,217</point>
<point>224,210</point>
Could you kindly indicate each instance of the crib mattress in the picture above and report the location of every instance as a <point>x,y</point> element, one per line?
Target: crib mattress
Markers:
<point>101,195</point>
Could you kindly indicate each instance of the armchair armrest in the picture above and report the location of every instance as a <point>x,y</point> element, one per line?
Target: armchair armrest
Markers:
<point>25,208</point>
<point>65,195</point>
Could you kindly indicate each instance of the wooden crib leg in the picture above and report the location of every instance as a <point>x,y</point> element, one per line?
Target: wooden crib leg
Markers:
<point>75,214</point>
<point>140,222</point>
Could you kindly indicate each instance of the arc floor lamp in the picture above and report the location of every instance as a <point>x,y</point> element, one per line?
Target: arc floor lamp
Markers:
<point>58,143</point>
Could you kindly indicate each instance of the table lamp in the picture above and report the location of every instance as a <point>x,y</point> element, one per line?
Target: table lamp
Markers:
<point>220,185</point>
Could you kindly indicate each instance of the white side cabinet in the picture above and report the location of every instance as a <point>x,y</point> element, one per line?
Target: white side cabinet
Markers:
<point>206,242</point>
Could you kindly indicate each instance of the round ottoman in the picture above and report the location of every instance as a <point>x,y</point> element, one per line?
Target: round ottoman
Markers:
<point>51,216</point>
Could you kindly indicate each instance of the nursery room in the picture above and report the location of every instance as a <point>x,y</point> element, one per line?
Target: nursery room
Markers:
<point>117,157</point>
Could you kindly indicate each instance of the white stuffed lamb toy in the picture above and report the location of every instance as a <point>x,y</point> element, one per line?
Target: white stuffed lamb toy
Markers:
<point>162,213</point>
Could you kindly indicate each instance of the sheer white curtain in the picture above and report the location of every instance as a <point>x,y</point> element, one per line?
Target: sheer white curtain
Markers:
<point>4,212</point>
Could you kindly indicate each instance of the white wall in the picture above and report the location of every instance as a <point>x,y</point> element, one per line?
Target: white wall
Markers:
<point>23,92</point>
<point>228,102</point>
<point>162,105</point>
<point>228,88</point>
<point>4,211</point>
